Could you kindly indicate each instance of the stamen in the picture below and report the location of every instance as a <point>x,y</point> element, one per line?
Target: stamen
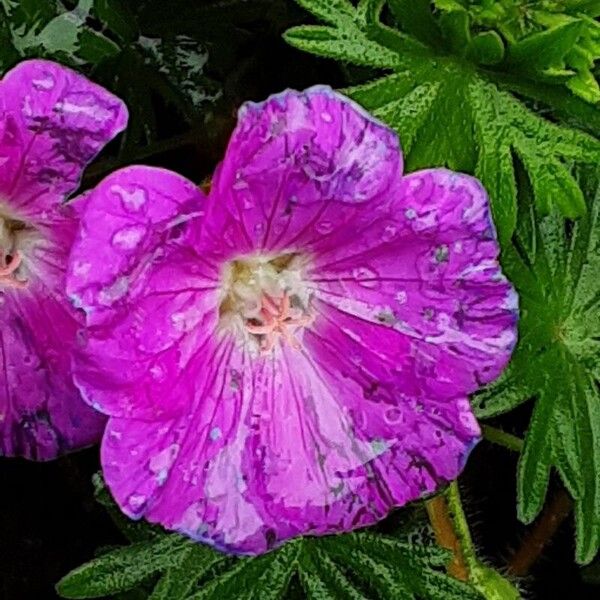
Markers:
<point>8,273</point>
<point>278,320</point>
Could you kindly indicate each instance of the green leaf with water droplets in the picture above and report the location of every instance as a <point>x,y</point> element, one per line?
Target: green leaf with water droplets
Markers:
<point>554,266</point>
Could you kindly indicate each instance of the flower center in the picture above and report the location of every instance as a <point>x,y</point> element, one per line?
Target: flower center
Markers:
<point>265,300</point>
<point>11,259</point>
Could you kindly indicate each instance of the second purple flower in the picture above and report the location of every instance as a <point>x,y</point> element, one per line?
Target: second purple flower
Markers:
<point>293,354</point>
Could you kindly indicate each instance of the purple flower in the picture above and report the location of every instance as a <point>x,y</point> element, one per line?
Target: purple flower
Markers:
<point>293,354</point>
<point>52,123</point>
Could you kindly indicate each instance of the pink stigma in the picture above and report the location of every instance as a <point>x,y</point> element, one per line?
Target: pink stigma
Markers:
<point>7,273</point>
<point>278,319</point>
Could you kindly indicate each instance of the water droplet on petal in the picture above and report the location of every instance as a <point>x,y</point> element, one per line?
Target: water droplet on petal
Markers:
<point>129,237</point>
<point>324,227</point>
<point>46,82</point>
<point>401,297</point>
<point>130,200</point>
<point>366,277</point>
<point>136,501</point>
<point>114,292</point>
<point>164,459</point>
<point>389,232</point>
<point>157,373</point>
<point>326,117</point>
<point>392,415</point>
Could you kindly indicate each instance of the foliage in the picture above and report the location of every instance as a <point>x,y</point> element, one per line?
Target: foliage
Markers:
<point>547,40</point>
<point>353,566</point>
<point>555,266</point>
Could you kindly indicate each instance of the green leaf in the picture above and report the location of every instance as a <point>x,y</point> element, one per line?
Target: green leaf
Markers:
<point>355,566</point>
<point>124,568</point>
<point>456,27</point>
<point>330,11</point>
<point>117,18</point>
<point>416,18</point>
<point>543,50</point>
<point>47,28</point>
<point>449,114</point>
<point>555,42</point>
<point>555,270</point>
<point>486,48</point>
<point>178,65</point>
<point>178,583</point>
<point>351,46</point>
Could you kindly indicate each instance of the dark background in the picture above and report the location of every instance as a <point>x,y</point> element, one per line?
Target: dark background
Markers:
<point>49,520</point>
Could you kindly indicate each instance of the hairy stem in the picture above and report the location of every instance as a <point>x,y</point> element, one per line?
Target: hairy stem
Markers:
<point>497,436</point>
<point>537,539</point>
<point>462,528</point>
<point>441,518</point>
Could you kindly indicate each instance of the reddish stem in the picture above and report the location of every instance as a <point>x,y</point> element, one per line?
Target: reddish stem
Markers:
<point>445,535</point>
<point>536,540</point>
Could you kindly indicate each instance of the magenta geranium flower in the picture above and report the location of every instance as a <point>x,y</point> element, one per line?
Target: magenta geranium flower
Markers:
<point>52,123</point>
<point>293,354</point>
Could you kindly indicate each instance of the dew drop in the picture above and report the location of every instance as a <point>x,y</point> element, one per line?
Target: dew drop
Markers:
<point>81,268</point>
<point>326,117</point>
<point>392,415</point>
<point>324,227</point>
<point>414,184</point>
<point>130,200</point>
<point>157,373</point>
<point>136,501</point>
<point>389,232</point>
<point>164,459</point>
<point>46,82</point>
<point>129,237</point>
<point>401,297</point>
<point>114,292</point>
<point>366,277</point>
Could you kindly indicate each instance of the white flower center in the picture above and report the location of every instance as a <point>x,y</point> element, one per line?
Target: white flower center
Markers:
<point>265,299</point>
<point>12,232</point>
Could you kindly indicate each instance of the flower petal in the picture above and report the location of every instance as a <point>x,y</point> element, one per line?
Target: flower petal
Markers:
<point>143,290</point>
<point>42,414</point>
<point>429,269</point>
<point>299,167</point>
<point>53,121</point>
<point>279,446</point>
